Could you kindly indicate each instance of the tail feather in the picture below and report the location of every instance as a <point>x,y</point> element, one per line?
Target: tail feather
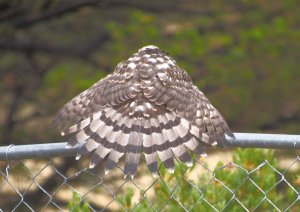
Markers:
<point>163,148</point>
<point>121,142</point>
<point>105,136</point>
<point>150,147</point>
<point>113,133</point>
<point>83,133</point>
<point>172,132</point>
<point>134,148</point>
<point>82,124</point>
<point>190,139</point>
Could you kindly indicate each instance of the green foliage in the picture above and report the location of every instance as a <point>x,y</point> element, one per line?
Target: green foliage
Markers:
<point>250,179</point>
<point>77,204</point>
<point>126,199</point>
<point>244,55</point>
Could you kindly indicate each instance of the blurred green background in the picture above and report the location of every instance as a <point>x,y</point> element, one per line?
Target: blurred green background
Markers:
<point>244,55</point>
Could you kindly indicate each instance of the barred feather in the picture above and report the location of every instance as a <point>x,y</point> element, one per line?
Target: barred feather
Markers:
<point>148,107</point>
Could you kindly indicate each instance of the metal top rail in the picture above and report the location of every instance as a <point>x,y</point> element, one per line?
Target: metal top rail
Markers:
<point>244,140</point>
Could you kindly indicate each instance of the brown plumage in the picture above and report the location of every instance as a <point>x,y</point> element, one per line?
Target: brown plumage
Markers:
<point>148,105</point>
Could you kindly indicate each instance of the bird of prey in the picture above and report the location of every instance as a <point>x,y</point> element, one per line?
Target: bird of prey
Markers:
<point>147,107</point>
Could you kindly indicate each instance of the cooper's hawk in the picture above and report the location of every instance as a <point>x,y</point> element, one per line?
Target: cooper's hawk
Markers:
<point>147,106</point>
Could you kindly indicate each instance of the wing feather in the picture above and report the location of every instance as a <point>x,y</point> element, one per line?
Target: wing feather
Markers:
<point>109,91</point>
<point>148,105</point>
<point>187,101</point>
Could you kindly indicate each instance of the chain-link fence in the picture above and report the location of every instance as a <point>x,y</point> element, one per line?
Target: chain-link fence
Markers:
<point>246,180</point>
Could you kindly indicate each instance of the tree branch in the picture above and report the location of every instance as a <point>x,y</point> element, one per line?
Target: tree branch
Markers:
<point>39,46</point>
<point>62,9</point>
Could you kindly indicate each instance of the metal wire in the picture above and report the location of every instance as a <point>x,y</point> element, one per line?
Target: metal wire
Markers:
<point>245,140</point>
<point>28,184</point>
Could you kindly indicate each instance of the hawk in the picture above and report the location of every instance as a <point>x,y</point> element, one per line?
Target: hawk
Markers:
<point>147,106</point>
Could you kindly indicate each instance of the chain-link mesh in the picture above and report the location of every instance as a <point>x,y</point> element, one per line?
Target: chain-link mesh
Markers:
<point>57,184</point>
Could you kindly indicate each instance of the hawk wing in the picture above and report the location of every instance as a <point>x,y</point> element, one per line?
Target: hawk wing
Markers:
<point>185,99</point>
<point>148,105</point>
<point>111,90</point>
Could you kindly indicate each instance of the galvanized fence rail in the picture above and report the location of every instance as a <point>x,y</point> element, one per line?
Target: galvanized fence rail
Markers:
<point>32,178</point>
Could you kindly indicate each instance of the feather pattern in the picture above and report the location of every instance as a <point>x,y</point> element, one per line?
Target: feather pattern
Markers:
<point>148,107</point>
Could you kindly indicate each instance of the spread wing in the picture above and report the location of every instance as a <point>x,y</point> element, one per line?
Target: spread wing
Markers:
<point>109,91</point>
<point>185,99</point>
<point>148,105</point>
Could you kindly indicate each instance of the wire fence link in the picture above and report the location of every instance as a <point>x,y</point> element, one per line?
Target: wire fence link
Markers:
<point>59,184</point>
